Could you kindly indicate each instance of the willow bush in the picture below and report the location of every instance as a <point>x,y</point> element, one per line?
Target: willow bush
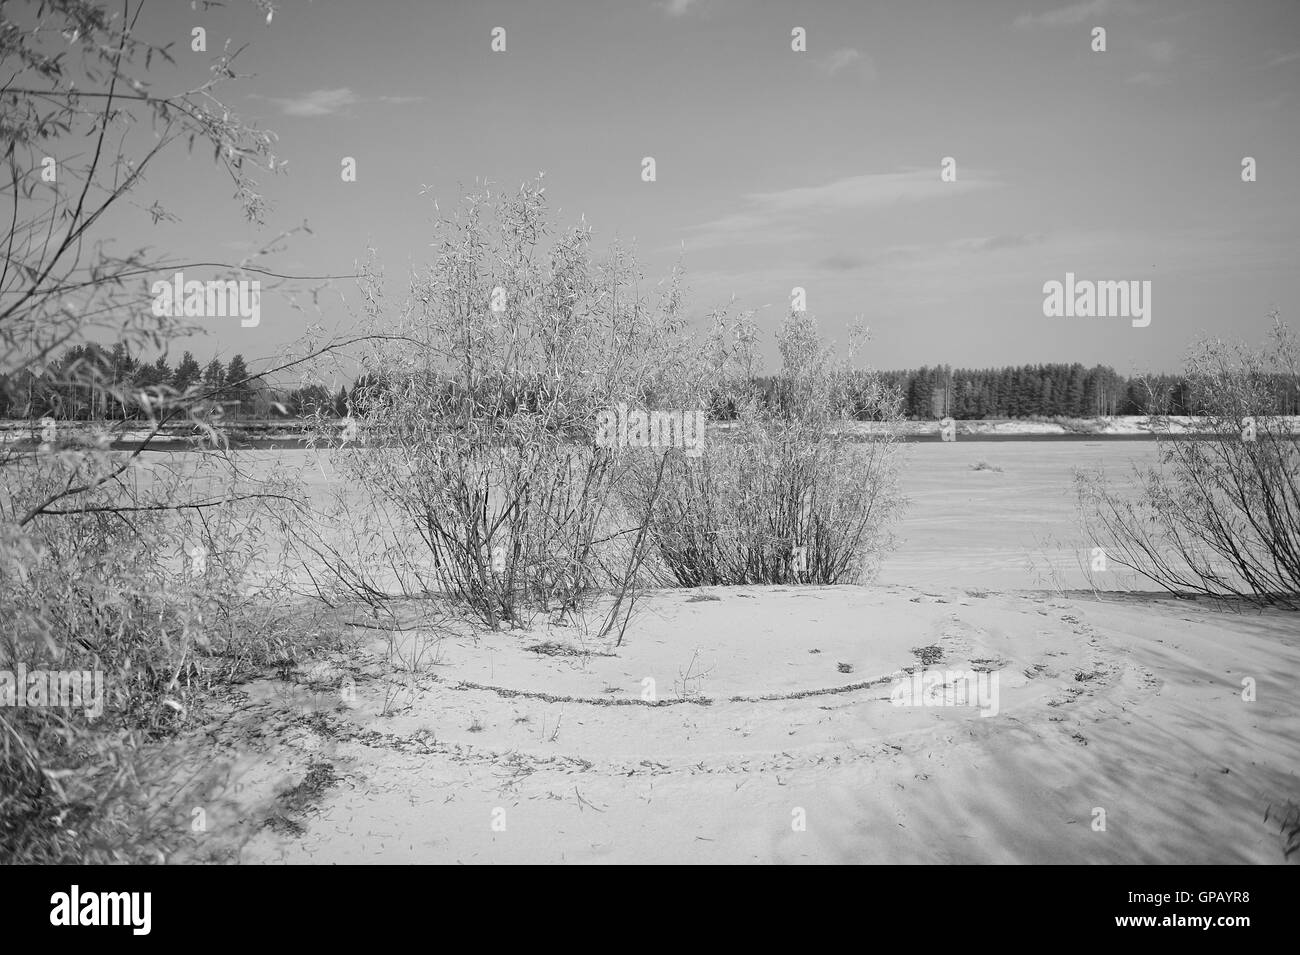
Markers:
<point>475,413</point>
<point>795,493</point>
<point>1219,514</point>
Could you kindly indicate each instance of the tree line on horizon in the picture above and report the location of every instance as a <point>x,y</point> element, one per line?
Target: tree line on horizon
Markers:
<point>61,390</point>
<point>926,393</point>
<point>1031,391</point>
<point>1051,390</point>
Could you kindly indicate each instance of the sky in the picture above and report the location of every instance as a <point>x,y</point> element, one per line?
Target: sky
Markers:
<point>778,168</point>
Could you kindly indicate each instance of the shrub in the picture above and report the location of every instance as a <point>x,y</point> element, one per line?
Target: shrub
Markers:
<point>93,546</point>
<point>475,416</point>
<point>111,585</point>
<point>786,494</point>
<point>1219,515</point>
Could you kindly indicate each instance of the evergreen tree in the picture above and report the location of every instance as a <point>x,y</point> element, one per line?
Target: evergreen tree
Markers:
<point>187,372</point>
<point>236,372</point>
<point>214,376</point>
<point>153,375</point>
<point>920,394</point>
<point>122,364</point>
<point>236,388</point>
<point>1072,398</point>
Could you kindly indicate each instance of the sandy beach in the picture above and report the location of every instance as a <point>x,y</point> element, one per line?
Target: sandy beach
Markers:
<point>754,724</point>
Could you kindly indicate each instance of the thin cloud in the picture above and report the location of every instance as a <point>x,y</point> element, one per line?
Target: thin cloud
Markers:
<point>678,8</point>
<point>993,243</point>
<point>895,255</point>
<point>328,102</point>
<point>842,263</point>
<point>704,9</point>
<point>1072,15</point>
<point>845,58</point>
<point>316,103</point>
<point>1283,58</point>
<point>1147,79</point>
<point>789,211</point>
<point>1162,51</point>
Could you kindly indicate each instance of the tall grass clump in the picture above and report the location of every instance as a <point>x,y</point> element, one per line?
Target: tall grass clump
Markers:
<point>793,491</point>
<point>98,573</point>
<point>150,598</point>
<point>477,400</point>
<point>1218,516</point>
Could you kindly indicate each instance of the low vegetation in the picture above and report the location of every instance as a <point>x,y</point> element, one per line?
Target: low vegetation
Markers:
<point>1219,517</point>
<point>477,482</point>
<point>787,493</point>
<point>131,578</point>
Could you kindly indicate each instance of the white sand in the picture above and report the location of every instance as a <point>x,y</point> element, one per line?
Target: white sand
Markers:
<point>1156,734</point>
<point>1128,705</point>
